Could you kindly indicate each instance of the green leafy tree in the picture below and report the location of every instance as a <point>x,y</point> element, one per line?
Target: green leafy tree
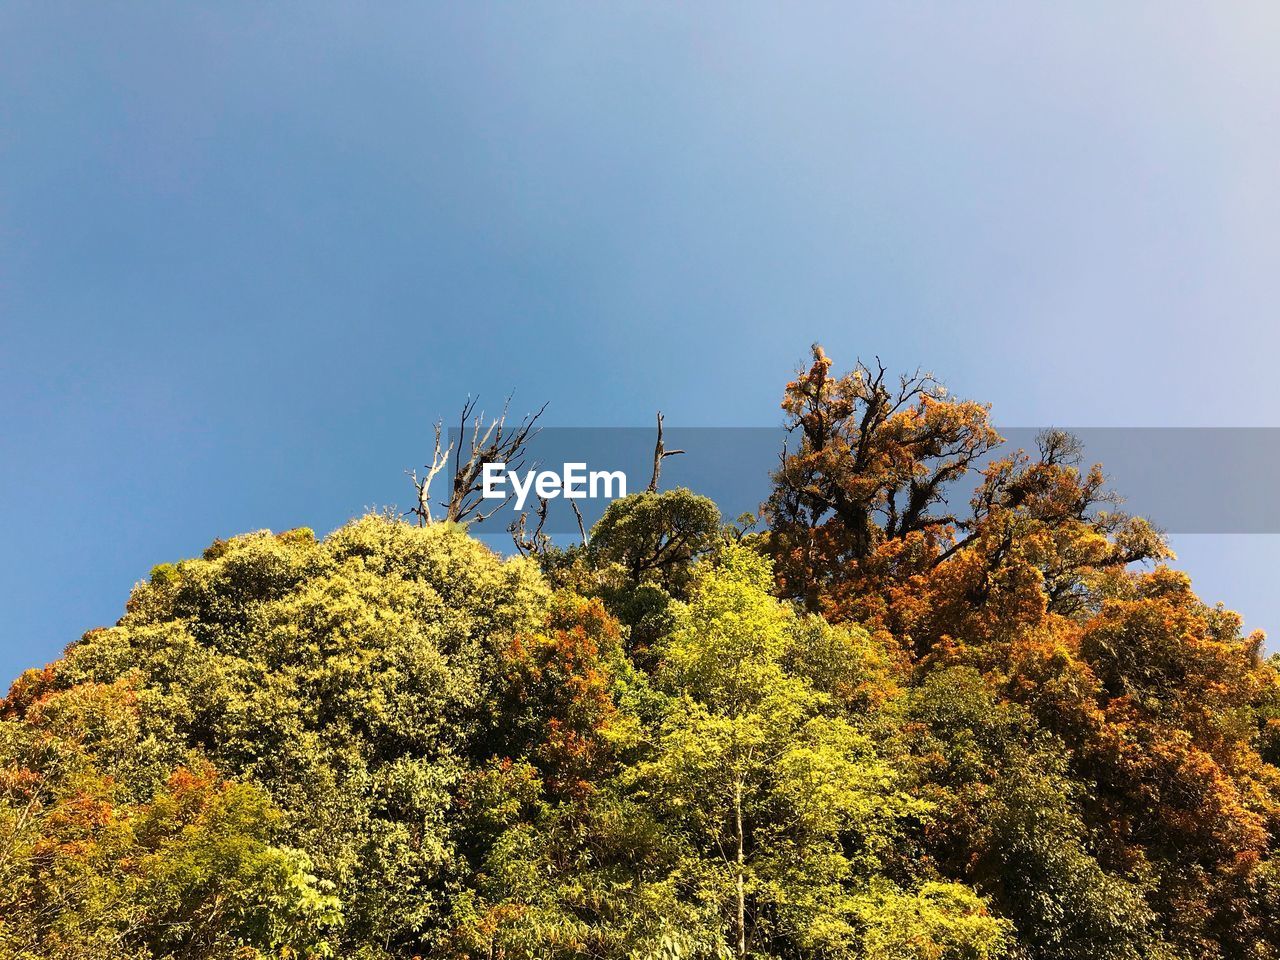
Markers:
<point>1010,820</point>
<point>654,537</point>
<point>99,863</point>
<point>349,679</point>
<point>787,809</point>
<point>998,738</point>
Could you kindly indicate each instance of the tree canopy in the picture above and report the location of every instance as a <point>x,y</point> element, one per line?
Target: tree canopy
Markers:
<point>949,703</point>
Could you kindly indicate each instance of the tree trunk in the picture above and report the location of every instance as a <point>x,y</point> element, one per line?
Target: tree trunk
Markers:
<point>741,879</point>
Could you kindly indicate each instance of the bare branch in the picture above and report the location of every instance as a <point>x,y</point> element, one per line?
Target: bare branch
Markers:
<point>531,544</point>
<point>582,527</point>
<point>485,442</point>
<point>660,453</point>
<point>491,443</point>
<point>422,486</point>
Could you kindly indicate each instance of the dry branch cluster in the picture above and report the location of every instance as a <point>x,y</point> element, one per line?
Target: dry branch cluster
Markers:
<point>493,442</point>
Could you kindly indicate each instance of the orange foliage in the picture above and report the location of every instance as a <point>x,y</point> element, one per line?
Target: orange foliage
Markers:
<point>1160,703</point>
<point>558,693</point>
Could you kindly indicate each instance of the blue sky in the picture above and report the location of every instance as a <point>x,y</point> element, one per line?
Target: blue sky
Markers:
<point>249,252</point>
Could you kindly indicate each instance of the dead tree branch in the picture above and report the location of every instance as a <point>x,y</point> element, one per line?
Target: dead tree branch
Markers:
<point>535,543</point>
<point>422,486</point>
<point>660,453</point>
<point>485,442</point>
<point>582,527</point>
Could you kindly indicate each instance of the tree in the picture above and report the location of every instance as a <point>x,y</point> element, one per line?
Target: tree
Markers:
<point>904,730</point>
<point>1010,821</point>
<point>1157,697</point>
<point>100,861</point>
<point>786,807</point>
<point>491,442</point>
<point>863,524</point>
<point>349,679</point>
<point>655,537</point>
<point>660,453</point>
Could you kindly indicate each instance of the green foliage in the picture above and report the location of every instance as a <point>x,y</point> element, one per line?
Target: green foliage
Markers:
<point>940,921</point>
<point>640,557</point>
<point>654,537</point>
<point>786,808</point>
<point>1016,826</point>
<point>348,679</point>
<point>194,870</point>
<point>393,744</point>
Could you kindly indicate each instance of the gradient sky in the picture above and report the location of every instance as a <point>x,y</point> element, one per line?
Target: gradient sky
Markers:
<point>249,252</point>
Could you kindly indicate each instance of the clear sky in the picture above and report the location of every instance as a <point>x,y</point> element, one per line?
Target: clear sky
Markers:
<point>248,252</point>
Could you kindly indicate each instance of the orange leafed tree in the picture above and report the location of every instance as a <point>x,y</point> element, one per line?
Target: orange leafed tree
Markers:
<point>891,507</point>
<point>894,507</point>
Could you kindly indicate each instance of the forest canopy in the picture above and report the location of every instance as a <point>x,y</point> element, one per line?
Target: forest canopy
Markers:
<point>943,702</point>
